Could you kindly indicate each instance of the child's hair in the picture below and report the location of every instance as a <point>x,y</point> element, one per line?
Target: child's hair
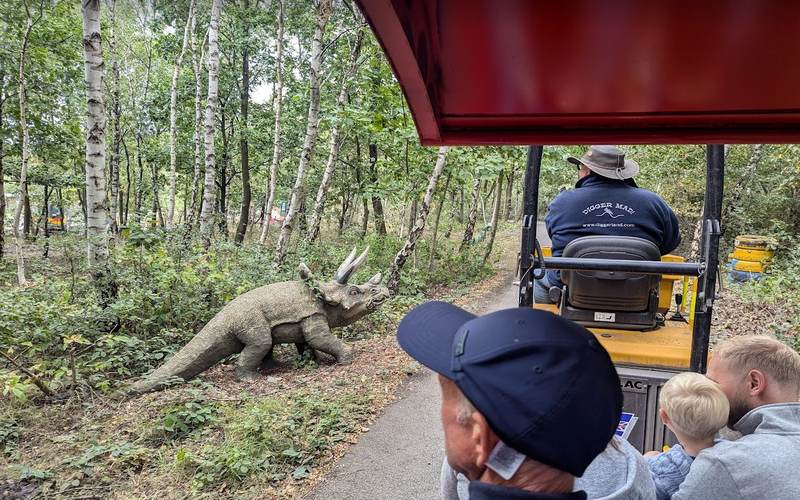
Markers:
<point>695,405</point>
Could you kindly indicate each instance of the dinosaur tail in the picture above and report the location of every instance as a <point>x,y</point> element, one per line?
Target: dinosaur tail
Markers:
<point>212,344</point>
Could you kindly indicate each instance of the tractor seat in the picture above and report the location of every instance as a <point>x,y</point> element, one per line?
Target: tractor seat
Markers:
<point>611,299</point>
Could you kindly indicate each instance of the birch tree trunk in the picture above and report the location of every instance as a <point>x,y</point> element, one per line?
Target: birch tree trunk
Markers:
<point>377,204</point>
<point>509,192</point>
<point>22,195</point>
<point>469,228</point>
<point>244,146</point>
<point>393,282</point>
<point>207,211</point>
<point>3,98</point>
<point>173,112</point>
<point>113,169</point>
<point>276,135</point>
<point>436,218</point>
<point>312,129</point>
<point>197,59</point>
<point>96,202</point>
<point>498,197</point>
<point>335,143</point>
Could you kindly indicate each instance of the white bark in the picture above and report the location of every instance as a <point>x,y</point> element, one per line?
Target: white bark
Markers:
<point>22,195</point>
<point>276,137</point>
<point>96,201</point>
<point>393,283</point>
<point>469,228</point>
<point>312,129</point>
<point>173,112</point>
<point>197,60</point>
<point>207,211</point>
<point>335,143</point>
<point>498,197</point>
<point>116,112</point>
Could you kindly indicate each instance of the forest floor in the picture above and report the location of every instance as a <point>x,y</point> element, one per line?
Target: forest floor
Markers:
<point>218,437</point>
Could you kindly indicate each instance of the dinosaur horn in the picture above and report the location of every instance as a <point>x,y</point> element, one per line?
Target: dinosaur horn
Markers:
<point>340,273</point>
<point>349,266</point>
<point>375,280</point>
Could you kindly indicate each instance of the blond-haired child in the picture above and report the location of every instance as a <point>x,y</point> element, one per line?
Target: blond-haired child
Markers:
<point>695,409</point>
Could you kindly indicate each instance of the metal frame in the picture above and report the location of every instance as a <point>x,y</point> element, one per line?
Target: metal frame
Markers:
<point>532,262</point>
<point>530,197</point>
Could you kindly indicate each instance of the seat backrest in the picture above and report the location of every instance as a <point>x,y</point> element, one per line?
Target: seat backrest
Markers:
<point>610,290</point>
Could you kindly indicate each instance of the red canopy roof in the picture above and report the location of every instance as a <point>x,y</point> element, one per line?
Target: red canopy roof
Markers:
<point>589,71</point>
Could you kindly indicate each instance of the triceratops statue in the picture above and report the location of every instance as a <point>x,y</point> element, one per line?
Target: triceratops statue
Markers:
<point>292,312</point>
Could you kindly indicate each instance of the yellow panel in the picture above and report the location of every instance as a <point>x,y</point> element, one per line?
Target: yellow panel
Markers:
<point>547,251</point>
<point>666,347</point>
<point>755,255</point>
<point>751,267</point>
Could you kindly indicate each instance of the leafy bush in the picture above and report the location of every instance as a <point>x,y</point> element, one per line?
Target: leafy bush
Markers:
<point>278,436</point>
<point>181,419</point>
<point>9,435</point>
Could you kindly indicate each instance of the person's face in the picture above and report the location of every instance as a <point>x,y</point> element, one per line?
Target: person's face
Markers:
<point>583,171</point>
<point>459,437</point>
<point>735,386</point>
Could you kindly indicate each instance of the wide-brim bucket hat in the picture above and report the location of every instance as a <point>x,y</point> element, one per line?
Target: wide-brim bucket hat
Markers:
<point>608,161</point>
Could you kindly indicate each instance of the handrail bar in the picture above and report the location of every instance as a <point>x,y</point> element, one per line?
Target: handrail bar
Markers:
<point>626,266</point>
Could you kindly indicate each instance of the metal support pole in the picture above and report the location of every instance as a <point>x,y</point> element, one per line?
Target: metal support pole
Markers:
<point>706,284</point>
<point>530,196</point>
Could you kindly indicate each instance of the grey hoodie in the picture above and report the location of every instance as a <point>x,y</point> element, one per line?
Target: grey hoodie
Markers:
<point>762,464</point>
<point>616,474</point>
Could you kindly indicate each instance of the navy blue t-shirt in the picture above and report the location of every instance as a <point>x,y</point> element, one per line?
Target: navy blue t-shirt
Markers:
<point>602,206</point>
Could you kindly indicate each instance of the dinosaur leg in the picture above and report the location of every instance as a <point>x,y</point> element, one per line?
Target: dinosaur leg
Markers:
<point>301,350</point>
<point>257,341</point>
<point>318,336</point>
<point>269,360</point>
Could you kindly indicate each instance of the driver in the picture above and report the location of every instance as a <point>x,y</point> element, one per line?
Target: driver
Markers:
<point>605,201</point>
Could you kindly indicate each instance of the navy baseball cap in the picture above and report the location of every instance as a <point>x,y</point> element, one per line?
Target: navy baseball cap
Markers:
<point>545,385</point>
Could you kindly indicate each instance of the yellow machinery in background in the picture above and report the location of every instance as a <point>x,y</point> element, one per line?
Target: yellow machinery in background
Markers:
<point>751,256</point>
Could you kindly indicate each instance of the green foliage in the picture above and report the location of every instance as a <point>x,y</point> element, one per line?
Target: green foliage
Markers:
<point>180,419</point>
<point>779,287</point>
<point>9,435</point>
<point>276,438</point>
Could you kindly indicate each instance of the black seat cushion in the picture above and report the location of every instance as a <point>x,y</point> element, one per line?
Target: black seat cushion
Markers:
<point>610,290</point>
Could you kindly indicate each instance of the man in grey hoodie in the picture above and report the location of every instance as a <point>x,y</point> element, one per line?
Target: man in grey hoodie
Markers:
<point>761,378</point>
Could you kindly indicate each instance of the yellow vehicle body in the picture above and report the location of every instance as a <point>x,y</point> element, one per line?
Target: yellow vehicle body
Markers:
<point>668,346</point>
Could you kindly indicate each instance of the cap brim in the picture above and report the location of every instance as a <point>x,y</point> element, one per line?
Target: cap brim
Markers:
<point>426,333</point>
<point>574,160</point>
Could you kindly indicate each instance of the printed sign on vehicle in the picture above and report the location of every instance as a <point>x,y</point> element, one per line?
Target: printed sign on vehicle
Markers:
<point>605,316</point>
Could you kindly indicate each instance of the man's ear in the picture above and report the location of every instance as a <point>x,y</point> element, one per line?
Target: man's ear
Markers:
<point>756,383</point>
<point>483,439</point>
